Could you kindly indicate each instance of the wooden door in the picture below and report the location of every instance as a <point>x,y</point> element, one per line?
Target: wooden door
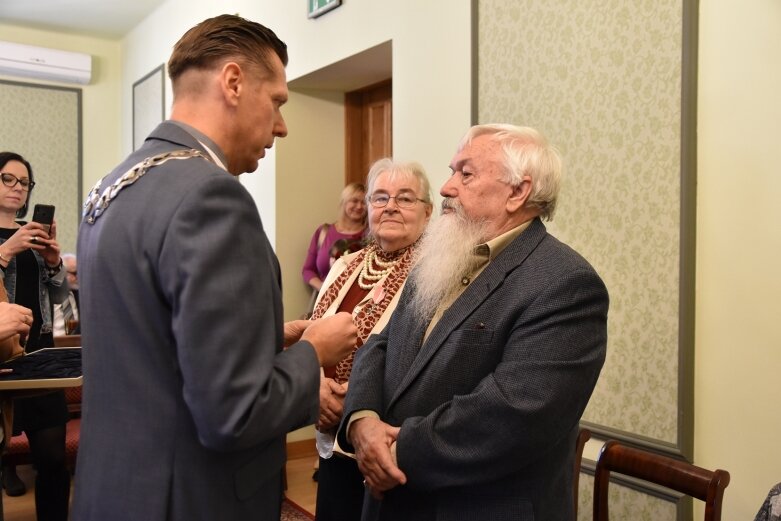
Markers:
<point>368,129</point>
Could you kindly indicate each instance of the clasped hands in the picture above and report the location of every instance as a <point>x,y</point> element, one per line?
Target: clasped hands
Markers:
<point>375,449</point>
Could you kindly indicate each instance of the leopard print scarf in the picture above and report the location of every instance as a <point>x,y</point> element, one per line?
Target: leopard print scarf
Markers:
<point>369,311</point>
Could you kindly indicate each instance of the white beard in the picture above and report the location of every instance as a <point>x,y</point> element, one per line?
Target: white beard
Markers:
<point>443,258</point>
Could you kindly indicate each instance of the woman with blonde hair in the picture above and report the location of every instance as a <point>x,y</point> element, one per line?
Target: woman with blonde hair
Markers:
<point>350,227</point>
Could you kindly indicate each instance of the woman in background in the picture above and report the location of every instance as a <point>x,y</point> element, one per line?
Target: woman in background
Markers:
<point>368,284</point>
<point>349,228</point>
<point>33,277</point>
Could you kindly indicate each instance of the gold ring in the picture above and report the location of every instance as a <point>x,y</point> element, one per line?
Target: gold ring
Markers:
<point>34,238</point>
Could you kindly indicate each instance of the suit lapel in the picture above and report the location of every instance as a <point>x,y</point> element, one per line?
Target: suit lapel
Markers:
<point>473,297</point>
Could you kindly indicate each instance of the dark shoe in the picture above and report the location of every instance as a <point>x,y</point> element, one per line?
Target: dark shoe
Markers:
<point>11,483</point>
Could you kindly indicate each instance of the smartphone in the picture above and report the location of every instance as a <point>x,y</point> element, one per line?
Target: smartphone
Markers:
<point>44,214</point>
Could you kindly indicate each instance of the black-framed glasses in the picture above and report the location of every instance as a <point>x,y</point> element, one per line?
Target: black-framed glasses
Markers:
<point>402,200</point>
<point>10,181</point>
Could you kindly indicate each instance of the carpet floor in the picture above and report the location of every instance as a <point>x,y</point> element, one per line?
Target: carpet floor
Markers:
<point>293,512</point>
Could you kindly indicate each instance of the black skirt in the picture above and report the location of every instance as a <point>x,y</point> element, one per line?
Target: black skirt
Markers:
<point>40,412</point>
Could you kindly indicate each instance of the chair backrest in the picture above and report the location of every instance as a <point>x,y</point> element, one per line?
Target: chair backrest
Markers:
<point>705,485</point>
<point>583,436</point>
<point>73,401</point>
<point>67,341</point>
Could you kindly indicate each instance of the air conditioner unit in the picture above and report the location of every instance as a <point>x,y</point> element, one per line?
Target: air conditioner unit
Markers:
<point>27,61</point>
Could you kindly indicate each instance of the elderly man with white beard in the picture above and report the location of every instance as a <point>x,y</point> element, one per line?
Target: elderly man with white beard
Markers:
<point>467,405</point>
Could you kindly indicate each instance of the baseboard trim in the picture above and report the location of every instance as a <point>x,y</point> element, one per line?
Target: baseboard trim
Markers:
<point>301,449</point>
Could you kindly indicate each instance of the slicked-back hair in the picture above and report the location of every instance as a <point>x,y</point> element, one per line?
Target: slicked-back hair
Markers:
<point>225,37</point>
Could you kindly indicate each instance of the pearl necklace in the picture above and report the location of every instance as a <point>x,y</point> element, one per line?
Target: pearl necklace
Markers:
<point>369,276</point>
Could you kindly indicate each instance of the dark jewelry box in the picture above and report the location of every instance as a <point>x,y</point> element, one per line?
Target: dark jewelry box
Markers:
<point>50,368</point>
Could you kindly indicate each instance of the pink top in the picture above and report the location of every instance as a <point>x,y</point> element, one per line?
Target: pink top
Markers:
<point>318,260</point>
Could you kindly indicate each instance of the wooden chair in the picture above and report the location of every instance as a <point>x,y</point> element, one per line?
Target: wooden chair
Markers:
<point>583,436</point>
<point>705,485</point>
<point>67,341</point>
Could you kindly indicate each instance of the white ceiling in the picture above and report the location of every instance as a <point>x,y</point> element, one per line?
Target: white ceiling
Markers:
<point>359,70</point>
<point>112,19</point>
<point>99,18</point>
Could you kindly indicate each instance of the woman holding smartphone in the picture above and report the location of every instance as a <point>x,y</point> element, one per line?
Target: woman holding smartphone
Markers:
<point>32,272</point>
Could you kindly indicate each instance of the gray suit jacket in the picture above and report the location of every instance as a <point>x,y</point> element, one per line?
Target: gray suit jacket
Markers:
<point>188,395</point>
<point>489,405</point>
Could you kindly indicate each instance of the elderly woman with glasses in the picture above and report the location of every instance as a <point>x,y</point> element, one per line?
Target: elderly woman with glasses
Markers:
<point>368,284</point>
<point>33,277</point>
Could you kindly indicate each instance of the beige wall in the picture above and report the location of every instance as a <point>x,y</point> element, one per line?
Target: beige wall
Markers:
<point>738,330</point>
<point>308,184</point>
<point>101,98</point>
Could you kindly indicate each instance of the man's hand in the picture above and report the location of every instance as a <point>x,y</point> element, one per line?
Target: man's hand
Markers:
<point>294,329</point>
<point>372,439</point>
<point>331,403</point>
<point>333,338</point>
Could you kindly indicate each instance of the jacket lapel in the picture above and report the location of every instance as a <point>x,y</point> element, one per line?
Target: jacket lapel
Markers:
<point>473,297</point>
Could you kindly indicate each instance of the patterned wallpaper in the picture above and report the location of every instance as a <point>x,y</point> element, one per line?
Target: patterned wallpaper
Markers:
<point>42,124</point>
<point>602,79</point>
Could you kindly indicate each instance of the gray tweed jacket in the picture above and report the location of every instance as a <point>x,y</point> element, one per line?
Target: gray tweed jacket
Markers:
<point>489,405</point>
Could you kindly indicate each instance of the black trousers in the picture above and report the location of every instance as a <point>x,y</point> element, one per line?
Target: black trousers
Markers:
<point>43,419</point>
<point>340,490</point>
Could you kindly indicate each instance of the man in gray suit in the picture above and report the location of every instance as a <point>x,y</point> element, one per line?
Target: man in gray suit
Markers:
<point>188,393</point>
<point>467,405</point>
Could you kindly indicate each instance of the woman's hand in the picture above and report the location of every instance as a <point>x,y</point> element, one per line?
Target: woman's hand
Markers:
<point>331,403</point>
<point>33,235</point>
<point>51,250</point>
<point>14,319</point>
<point>316,283</point>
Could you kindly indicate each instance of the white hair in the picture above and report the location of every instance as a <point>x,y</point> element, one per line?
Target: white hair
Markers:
<point>526,152</point>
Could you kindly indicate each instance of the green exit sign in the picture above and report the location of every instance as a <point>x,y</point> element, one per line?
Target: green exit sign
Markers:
<point>318,7</point>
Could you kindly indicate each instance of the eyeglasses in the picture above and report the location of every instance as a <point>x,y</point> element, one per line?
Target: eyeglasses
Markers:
<point>402,200</point>
<point>10,181</point>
